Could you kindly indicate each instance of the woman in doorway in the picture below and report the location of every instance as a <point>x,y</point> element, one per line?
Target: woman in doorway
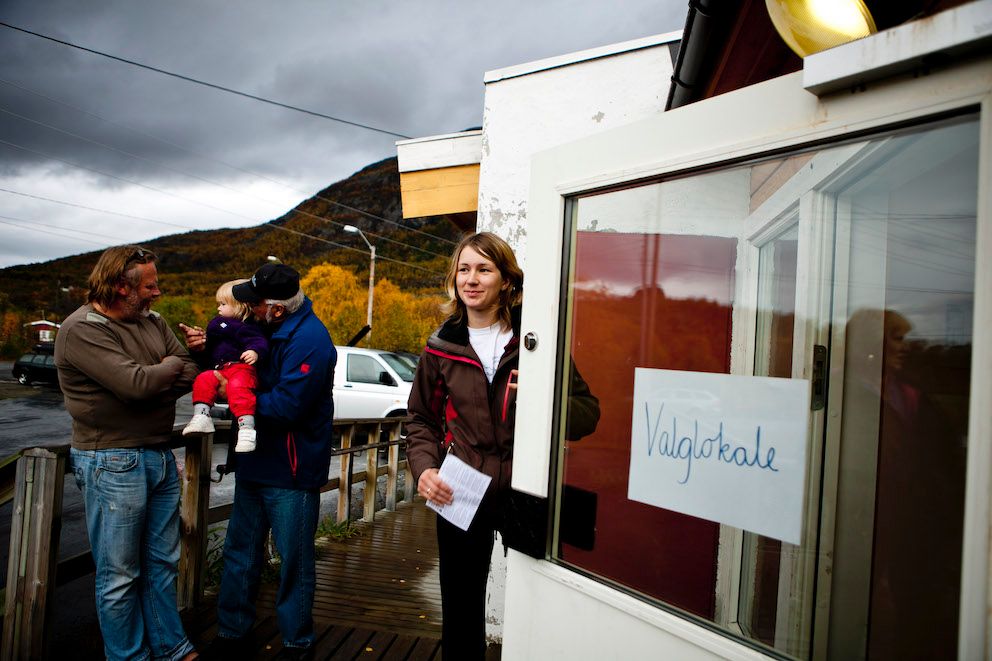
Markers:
<point>463,401</point>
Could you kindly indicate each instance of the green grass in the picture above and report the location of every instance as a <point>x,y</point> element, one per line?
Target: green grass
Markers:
<point>215,558</point>
<point>335,531</point>
<point>327,528</point>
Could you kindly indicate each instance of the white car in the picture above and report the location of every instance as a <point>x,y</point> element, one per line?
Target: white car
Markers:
<point>371,383</point>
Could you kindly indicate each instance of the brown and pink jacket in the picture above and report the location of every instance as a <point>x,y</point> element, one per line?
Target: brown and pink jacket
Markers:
<point>455,408</point>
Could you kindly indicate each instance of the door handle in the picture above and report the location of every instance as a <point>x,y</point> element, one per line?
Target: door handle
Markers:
<point>818,396</point>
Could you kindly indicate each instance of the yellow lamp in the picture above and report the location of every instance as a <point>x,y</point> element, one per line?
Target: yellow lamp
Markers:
<point>809,26</point>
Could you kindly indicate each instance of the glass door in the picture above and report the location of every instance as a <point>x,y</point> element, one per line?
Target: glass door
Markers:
<point>894,225</point>
<point>901,334</point>
<point>848,269</point>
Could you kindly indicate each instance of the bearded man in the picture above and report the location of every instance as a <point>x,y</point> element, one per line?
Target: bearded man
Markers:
<point>121,370</point>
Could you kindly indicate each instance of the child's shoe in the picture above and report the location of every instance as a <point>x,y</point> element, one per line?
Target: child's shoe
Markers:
<point>246,440</point>
<point>199,424</point>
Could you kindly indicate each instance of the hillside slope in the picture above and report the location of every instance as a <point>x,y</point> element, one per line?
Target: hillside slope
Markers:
<point>194,263</point>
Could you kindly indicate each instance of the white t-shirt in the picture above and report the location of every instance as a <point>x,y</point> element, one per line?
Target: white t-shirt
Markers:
<point>489,344</point>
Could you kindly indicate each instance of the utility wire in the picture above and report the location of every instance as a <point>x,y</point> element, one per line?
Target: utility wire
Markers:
<point>106,211</point>
<point>202,179</point>
<point>201,82</point>
<point>233,213</point>
<point>131,155</point>
<point>232,166</point>
<point>363,252</point>
<point>35,229</point>
<point>124,179</point>
<point>115,238</point>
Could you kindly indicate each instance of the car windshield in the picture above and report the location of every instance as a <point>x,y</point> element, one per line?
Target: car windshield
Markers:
<point>400,365</point>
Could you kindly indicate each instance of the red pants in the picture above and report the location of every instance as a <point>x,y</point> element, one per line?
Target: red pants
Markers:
<point>241,384</point>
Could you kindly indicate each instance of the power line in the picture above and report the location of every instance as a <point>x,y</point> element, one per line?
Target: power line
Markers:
<point>272,225</point>
<point>106,211</point>
<point>226,164</point>
<point>125,180</point>
<point>199,178</point>
<point>115,238</point>
<point>129,154</point>
<point>378,258</point>
<point>35,229</point>
<point>204,83</point>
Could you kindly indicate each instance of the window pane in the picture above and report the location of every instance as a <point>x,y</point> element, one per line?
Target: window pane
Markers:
<point>863,249</point>
<point>363,369</point>
<point>403,367</point>
<point>646,296</point>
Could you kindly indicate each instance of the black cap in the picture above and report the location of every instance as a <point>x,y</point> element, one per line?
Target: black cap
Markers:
<point>272,281</point>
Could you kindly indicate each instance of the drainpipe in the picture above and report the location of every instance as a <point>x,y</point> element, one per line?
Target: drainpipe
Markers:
<point>701,25</point>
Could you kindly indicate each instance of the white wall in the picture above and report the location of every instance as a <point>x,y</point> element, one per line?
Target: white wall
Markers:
<point>571,617</point>
<point>534,106</point>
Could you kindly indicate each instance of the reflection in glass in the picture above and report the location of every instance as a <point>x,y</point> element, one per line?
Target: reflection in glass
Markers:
<point>685,274</point>
<point>906,381</point>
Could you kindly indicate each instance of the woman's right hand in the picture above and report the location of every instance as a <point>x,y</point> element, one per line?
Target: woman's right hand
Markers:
<point>433,488</point>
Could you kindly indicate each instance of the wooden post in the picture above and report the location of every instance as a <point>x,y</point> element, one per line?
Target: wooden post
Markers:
<point>371,476</point>
<point>34,546</point>
<point>344,483</point>
<point>391,468</point>
<point>193,506</point>
<point>409,488</point>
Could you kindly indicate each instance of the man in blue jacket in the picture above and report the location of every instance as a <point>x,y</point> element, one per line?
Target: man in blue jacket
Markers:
<point>278,485</point>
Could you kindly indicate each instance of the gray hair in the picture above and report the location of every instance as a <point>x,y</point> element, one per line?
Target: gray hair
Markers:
<point>292,304</point>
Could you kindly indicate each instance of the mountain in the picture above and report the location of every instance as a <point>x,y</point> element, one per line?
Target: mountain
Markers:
<point>193,264</point>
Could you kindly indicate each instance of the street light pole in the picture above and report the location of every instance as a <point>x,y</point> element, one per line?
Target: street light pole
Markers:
<point>368,316</point>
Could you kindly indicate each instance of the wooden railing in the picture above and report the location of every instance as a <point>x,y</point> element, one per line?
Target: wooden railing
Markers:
<point>34,480</point>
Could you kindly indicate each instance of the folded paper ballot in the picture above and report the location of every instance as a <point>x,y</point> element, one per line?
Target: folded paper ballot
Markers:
<point>468,486</point>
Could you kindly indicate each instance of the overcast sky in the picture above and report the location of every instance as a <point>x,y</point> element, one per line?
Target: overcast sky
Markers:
<point>167,155</point>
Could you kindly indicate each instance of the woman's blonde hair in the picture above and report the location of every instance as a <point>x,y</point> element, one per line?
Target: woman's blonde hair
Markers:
<point>226,295</point>
<point>116,265</point>
<point>501,255</point>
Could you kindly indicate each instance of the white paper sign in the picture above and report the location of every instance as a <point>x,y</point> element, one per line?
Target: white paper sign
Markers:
<point>468,486</point>
<point>721,447</point>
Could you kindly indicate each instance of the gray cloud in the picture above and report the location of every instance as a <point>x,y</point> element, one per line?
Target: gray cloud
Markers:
<point>415,68</point>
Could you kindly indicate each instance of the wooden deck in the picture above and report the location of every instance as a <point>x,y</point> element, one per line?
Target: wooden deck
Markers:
<point>377,595</point>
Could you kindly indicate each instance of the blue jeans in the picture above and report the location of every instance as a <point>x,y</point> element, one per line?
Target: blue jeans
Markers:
<point>131,498</point>
<point>292,516</point>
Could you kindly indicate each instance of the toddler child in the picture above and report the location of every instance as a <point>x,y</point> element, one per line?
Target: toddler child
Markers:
<point>234,345</point>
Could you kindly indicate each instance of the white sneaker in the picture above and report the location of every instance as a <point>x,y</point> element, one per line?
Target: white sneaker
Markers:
<point>199,424</point>
<point>246,440</point>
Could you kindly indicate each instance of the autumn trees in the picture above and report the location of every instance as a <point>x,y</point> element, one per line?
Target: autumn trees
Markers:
<point>401,320</point>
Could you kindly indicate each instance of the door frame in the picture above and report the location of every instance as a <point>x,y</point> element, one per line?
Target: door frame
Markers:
<point>724,130</point>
